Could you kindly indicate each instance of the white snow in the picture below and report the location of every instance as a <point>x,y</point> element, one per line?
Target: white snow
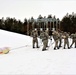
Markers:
<point>23,59</point>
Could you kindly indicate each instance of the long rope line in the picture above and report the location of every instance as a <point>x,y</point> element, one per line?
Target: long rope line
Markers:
<point>19,47</point>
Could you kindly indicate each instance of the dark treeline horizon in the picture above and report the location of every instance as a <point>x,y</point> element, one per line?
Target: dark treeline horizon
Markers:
<point>67,24</point>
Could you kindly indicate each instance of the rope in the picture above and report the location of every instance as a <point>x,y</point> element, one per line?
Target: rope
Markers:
<point>19,47</point>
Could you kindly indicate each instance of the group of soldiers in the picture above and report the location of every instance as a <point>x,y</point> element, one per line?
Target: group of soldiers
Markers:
<point>57,35</point>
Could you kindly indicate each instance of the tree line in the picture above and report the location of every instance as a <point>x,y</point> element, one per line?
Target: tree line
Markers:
<point>13,25</point>
<point>68,24</point>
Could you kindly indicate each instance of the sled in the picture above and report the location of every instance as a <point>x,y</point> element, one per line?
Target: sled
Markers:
<point>4,50</point>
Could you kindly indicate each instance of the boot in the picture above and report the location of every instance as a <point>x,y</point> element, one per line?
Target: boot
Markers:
<point>44,49</point>
<point>60,46</point>
<point>33,47</point>
<point>38,47</point>
<point>64,47</point>
<point>57,47</point>
<point>54,48</point>
<point>68,47</point>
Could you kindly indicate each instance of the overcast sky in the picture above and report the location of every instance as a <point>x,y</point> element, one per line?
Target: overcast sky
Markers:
<point>21,9</point>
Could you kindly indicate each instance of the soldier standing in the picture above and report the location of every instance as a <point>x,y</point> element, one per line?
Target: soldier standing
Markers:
<point>60,38</point>
<point>66,41</point>
<point>34,34</point>
<point>47,33</point>
<point>75,39</point>
<point>73,36</point>
<point>56,39</point>
<point>44,36</point>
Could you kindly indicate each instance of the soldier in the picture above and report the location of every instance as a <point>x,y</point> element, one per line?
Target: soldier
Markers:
<point>60,37</point>
<point>41,30</point>
<point>44,36</point>
<point>34,34</point>
<point>56,39</point>
<point>66,41</point>
<point>73,36</point>
<point>48,36</point>
<point>75,39</point>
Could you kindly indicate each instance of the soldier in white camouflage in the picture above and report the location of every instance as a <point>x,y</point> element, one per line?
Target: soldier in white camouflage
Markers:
<point>34,34</point>
<point>73,37</point>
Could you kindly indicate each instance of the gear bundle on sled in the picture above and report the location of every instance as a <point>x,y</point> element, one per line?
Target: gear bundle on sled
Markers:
<point>4,50</point>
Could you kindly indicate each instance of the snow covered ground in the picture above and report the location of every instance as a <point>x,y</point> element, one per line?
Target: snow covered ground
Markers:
<point>22,59</point>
